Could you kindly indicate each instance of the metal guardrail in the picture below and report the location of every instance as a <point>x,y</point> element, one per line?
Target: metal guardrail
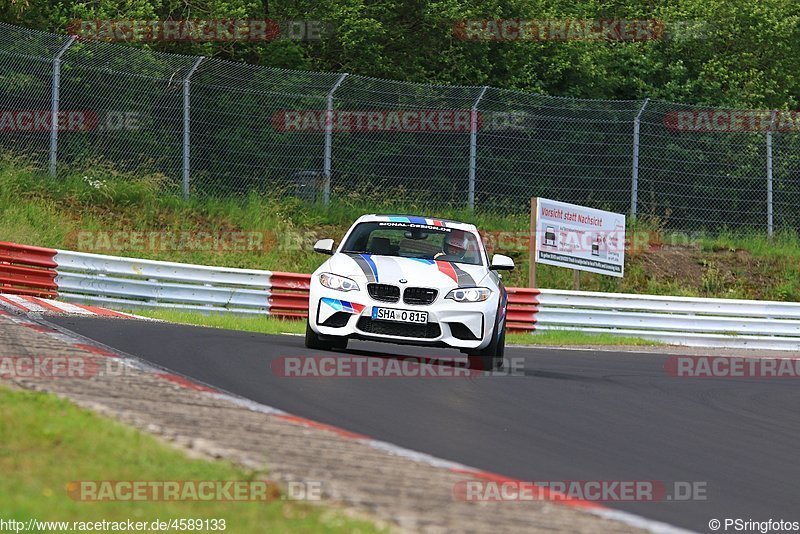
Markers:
<point>135,283</point>
<point>701,322</point>
<point>131,283</point>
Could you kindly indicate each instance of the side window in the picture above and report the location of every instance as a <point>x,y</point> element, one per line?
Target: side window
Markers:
<point>473,254</point>
<point>383,242</point>
<point>391,235</point>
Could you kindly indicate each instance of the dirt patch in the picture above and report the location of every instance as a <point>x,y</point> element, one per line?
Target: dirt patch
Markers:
<point>718,273</point>
<point>668,265</point>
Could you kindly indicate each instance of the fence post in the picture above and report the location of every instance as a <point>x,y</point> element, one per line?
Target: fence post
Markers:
<point>186,147</point>
<point>635,174</point>
<point>54,103</point>
<point>326,172</point>
<point>473,147</point>
<point>770,227</point>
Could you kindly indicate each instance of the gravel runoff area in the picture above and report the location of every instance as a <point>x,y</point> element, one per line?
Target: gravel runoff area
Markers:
<point>365,478</point>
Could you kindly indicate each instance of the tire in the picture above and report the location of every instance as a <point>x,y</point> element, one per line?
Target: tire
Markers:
<point>339,343</point>
<point>316,342</point>
<point>491,357</point>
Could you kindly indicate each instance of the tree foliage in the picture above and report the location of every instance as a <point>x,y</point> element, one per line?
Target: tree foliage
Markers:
<point>742,53</point>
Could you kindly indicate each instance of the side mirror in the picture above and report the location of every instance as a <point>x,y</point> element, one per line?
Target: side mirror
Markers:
<point>501,263</point>
<point>324,246</point>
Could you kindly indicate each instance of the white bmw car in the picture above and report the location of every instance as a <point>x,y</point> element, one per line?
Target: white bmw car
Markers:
<point>410,280</point>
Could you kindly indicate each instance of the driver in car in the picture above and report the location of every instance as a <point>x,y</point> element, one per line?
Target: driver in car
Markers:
<point>454,247</point>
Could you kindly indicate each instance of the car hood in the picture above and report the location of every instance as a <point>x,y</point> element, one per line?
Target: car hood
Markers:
<point>368,268</point>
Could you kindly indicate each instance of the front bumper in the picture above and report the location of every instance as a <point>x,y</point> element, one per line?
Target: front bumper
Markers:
<point>451,324</point>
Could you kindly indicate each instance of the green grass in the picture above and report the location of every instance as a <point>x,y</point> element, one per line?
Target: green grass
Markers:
<point>571,338</point>
<point>783,244</point>
<point>47,442</point>
<point>777,260</point>
<point>76,209</point>
<point>265,324</point>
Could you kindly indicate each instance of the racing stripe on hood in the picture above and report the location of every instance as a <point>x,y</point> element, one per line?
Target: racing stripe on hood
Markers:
<point>391,269</point>
<point>464,278</point>
<point>367,266</point>
<point>458,275</point>
<point>446,267</point>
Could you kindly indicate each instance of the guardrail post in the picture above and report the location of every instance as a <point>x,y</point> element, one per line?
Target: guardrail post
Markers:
<point>326,173</point>
<point>186,147</point>
<point>473,147</point>
<point>635,173</point>
<point>770,227</point>
<point>54,104</point>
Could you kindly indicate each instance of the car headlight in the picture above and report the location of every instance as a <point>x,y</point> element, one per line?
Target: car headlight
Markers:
<point>340,283</point>
<point>469,294</point>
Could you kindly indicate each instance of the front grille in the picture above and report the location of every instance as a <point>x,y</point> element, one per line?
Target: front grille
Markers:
<point>419,295</point>
<point>386,328</point>
<point>337,320</point>
<point>384,292</point>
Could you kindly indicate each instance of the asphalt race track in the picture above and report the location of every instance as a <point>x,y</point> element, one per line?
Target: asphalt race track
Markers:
<point>574,415</point>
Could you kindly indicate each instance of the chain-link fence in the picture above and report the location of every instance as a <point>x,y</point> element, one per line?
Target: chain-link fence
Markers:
<point>219,128</point>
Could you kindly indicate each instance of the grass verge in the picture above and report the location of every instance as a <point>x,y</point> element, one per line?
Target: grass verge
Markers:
<point>265,324</point>
<point>108,212</point>
<point>571,338</point>
<point>47,442</point>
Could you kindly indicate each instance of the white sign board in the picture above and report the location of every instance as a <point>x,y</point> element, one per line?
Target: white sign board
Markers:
<point>580,238</point>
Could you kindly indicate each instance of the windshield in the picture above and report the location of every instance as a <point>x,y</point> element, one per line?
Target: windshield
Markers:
<point>410,240</point>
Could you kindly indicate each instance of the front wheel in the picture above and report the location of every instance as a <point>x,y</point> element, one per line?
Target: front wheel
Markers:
<point>491,357</point>
<point>316,342</point>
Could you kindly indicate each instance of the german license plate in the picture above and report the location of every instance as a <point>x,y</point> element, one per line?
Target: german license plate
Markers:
<point>399,316</point>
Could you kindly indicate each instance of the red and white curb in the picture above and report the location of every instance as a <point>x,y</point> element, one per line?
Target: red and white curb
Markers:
<point>28,304</point>
<point>86,344</point>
